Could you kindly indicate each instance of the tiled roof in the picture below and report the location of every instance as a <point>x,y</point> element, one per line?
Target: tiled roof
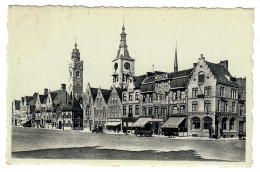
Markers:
<point>149,79</point>
<point>54,95</point>
<point>28,99</point>
<point>179,82</point>
<point>119,92</point>
<point>147,87</point>
<point>32,108</point>
<point>180,73</point>
<point>17,104</point>
<point>94,92</point>
<point>138,80</point>
<point>43,98</point>
<point>75,106</point>
<point>56,91</point>
<point>219,72</point>
<point>106,94</point>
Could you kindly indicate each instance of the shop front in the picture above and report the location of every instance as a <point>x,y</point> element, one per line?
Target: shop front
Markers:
<point>175,126</point>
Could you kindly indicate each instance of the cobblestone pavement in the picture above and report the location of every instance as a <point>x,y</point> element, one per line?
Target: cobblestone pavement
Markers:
<point>54,144</point>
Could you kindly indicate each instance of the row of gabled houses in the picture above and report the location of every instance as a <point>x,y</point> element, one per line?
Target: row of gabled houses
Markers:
<point>203,100</point>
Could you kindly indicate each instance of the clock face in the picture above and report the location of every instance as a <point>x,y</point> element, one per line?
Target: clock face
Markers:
<point>115,66</point>
<point>127,65</point>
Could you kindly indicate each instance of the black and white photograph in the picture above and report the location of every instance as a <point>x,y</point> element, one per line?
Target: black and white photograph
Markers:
<point>138,84</point>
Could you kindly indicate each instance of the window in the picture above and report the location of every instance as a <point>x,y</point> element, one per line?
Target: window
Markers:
<point>233,107</point>
<point>130,96</point>
<point>130,109</point>
<point>207,106</point>
<point>232,123</point>
<point>241,110</point>
<point>124,97</point>
<point>174,110</point>
<point>144,110</point>
<point>207,91</point>
<point>233,93</point>
<point>224,123</point>
<point>150,97</point>
<point>226,107</point>
<point>136,96</point>
<point>182,109</point>
<point>201,77</point>
<point>195,121</point>
<point>166,95</point>
<point>207,122</point>
<point>165,84</point>
<point>124,110</point>
<point>194,106</point>
<point>156,110</point>
<point>161,97</point>
<point>174,95</point>
<point>70,74</point>
<point>222,94</point>
<point>77,74</point>
<point>194,92</point>
<point>164,110</point>
<point>159,84</point>
<point>137,109</point>
<point>183,95</point>
<point>219,105</point>
<point>104,111</point>
<point>150,110</point>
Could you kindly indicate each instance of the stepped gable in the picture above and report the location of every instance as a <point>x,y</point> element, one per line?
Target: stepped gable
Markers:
<point>106,94</point>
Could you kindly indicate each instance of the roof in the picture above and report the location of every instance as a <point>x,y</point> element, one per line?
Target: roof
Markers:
<point>33,101</point>
<point>106,94</point>
<point>219,71</point>
<point>32,108</point>
<point>179,82</point>
<point>43,98</point>
<point>94,92</point>
<point>180,73</point>
<point>28,99</point>
<point>149,79</point>
<point>22,99</point>
<point>119,92</point>
<point>54,95</point>
<point>74,106</point>
<point>138,80</point>
<point>17,104</point>
<point>147,87</point>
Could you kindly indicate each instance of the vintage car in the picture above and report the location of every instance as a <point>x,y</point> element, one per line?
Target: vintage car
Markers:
<point>146,133</point>
<point>98,130</point>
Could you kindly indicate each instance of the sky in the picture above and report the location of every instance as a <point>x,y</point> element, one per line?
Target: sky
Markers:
<point>41,41</point>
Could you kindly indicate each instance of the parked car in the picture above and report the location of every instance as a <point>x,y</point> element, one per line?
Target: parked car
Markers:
<point>146,133</point>
<point>27,124</point>
<point>98,130</point>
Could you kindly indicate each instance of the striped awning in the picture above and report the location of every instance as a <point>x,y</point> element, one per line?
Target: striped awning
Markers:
<point>173,122</point>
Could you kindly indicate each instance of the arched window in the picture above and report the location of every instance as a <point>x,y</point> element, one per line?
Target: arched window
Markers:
<point>233,107</point>
<point>232,124</point>
<point>219,105</point>
<point>77,74</point>
<point>207,106</point>
<point>194,106</point>
<point>226,107</point>
<point>201,77</point>
<point>207,122</point>
<point>195,122</point>
<point>224,123</point>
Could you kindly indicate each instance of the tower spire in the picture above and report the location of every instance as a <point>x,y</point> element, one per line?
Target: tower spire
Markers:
<point>175,59</point>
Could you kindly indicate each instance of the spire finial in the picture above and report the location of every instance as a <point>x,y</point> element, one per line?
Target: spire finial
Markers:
<point>123,28</point>
<point>75,43</point>
<point>175,60</point>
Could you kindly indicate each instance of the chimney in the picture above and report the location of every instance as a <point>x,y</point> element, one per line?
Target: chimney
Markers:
<point>63,87</point>
<point>34,95</point>
<point>224,63</point>
<point>194,65</point>
<point>45,91</point>
<point>201,57</point>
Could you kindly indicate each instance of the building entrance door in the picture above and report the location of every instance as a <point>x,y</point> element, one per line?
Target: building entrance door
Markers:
<point>241,126</point>
<point>60,125</point>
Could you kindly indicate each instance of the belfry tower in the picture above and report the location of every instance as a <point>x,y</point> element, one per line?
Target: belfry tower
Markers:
<point>76,74</point>
<point>123,64</point>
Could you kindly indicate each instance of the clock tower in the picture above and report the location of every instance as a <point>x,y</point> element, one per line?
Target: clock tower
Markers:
<point>123,64</point>
<point>76,74</point>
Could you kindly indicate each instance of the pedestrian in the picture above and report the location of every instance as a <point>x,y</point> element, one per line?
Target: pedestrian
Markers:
<point>210,131</point>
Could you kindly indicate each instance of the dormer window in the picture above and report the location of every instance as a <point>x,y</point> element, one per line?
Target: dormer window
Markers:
<point>201,77</point>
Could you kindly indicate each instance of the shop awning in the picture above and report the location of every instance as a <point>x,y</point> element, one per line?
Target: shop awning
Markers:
<point>173,122</point>
<point>141,122</point>
<point>113,123</point>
